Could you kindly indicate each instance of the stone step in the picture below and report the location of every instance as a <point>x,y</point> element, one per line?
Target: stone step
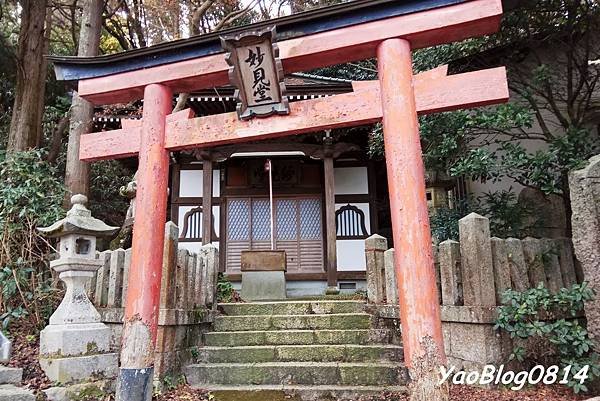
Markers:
<point>299,393</point>
<point>296,337</point>
<point>300,353</point>
<point>9,392</point>
<point>292,308</point>
<point>10,375</point>
<point>301,373</point>
<point>338,321</point>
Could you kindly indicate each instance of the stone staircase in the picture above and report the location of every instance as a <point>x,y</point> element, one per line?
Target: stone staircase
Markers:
<point>10,382</point>
<point>313,350</point>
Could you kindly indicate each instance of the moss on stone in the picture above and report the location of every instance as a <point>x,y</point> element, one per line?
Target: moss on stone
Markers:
<point>289,337</point>
<point>311,353</point>
<point>261,395</point>
<point>242,323</point>
<point>91,348</point>
<point>90,392</point>
<point>350,321</point>
<point>369,374</point>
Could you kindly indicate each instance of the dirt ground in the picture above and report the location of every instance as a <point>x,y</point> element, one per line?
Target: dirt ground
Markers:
<point>457,393</point>
<point>25,355</point>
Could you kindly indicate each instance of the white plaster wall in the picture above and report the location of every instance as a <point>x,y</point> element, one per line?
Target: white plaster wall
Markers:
<point>184,209</point>
<point>351,180</point>
<point>548,54</point>
<point>194,246</point>
<point>478,188</point>
<point>351,255</point>
<point>190,183</point>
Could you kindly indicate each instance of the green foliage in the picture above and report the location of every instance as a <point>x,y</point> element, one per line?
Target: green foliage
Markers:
<point>171,383</point>
<point>508,217</point>
<point>30,196</point>
<point>195,353</point>
<point>546,45</point>
<point>168,383</point>
<point>225,291</point>
<point>106,180</point>
<point>376,149</point>
<point>31,190</point>
<point>444,223</point>
<point>522,316</point>
<point>88,393</point>
<point>542,169</point>
<point>359,71</point>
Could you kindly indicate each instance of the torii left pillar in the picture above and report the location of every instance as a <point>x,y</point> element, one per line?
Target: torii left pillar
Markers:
<point>143,293</point>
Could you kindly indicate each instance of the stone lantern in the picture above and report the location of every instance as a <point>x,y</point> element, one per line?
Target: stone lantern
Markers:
<point>75,346</point>
<point>437,185</point>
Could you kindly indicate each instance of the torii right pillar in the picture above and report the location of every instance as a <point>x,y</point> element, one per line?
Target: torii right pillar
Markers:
<point>419,306</point>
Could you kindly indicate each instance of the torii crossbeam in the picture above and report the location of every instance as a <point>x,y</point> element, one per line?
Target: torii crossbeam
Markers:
<point>388,30</point>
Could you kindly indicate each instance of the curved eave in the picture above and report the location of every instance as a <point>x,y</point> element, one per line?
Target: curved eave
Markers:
<point>294,26</point>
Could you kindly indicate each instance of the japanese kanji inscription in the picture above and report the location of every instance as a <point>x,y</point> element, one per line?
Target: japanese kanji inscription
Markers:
<point>256,71</point>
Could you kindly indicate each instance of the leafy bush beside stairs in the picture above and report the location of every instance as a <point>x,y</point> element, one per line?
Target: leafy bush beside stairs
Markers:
<point>535,320</point>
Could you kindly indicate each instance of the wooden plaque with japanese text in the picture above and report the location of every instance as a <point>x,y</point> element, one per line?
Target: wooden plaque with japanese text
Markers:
<point>256,71</point>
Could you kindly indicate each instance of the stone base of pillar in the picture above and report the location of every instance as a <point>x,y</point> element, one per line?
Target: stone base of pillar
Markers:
<point>77,392</point>
<point>135,384</point>
<point>263,286</point>
<point>74,340</point>
<point>332,291</point>
<point>75,353</point>
<point>77,369</point>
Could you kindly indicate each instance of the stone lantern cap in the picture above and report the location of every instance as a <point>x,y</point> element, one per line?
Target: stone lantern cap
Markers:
<point>440,179</point>
<point>79,220</point>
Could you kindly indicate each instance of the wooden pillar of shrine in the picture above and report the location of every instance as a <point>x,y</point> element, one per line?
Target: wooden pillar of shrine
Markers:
<point>331,232</point>
<point>142,304</point>
<point>417,291</point>
<point>207,185</point>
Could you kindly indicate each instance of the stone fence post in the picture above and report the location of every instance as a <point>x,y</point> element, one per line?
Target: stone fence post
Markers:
<point>210,256</point>
<point>450,276</point>
<point>477,270</point>
<point>584,186</point>
<point>391,284</point>
<point>476,258</point>
<point>375,246</point>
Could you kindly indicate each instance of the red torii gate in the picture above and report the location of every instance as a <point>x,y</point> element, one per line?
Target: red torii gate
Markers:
<point>397,98</point>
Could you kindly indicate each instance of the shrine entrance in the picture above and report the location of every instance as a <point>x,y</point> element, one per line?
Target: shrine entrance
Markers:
<point>388,30</point>
<point>298,231</point>
<point>298,211</point>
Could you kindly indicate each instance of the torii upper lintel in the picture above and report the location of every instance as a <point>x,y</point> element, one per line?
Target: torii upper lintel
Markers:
<point>424,23</point>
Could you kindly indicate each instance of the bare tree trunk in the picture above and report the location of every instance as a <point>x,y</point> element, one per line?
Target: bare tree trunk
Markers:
<point>44,67</point>
<point>26,122</point>
<point>77,172</point>
<point>56,140</point>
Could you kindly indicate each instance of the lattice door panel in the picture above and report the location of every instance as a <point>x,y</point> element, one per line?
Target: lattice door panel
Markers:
<point>298,231</point>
